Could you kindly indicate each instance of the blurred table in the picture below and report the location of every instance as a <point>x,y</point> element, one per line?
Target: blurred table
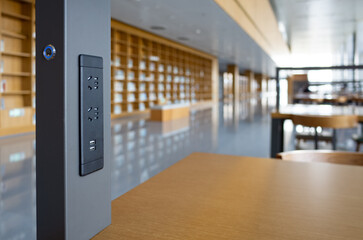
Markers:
<point>211,196</point>
<point>320,99</point>
<point>169,112</point>
<point>285,112</point>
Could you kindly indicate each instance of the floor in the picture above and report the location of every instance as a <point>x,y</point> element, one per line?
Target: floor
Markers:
<point>142,149</point>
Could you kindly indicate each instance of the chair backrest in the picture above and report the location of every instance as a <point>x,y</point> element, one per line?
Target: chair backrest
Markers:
<point>338,157</point>
<point>334,121</point>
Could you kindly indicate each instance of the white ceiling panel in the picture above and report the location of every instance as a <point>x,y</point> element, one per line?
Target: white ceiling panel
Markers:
<point>318,26</point>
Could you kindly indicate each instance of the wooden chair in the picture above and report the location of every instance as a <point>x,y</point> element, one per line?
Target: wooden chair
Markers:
<point>334,122</point>
<point>337,157</point>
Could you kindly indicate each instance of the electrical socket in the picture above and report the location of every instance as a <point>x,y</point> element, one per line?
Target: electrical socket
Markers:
<point>91,114</point>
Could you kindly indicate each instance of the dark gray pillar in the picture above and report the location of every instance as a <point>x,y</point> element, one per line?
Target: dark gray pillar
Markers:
<point>277,137</point>
<point>277,89</point>
<point>69,206</point>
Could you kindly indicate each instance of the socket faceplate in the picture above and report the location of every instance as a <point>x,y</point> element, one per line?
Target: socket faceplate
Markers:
<point>91,114</point>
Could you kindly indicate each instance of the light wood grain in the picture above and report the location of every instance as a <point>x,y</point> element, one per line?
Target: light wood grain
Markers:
<point>169,114</point>
<point>210,196</point>
<point>286,112</point>
<point>348,158</point>
<point>333,121</point>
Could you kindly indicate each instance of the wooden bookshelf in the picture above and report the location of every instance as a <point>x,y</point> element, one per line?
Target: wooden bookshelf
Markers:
<point>149,70</point>
<point>16,63</point>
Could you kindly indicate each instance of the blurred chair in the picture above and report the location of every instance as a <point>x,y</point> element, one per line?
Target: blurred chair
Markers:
<point>334,122</point>
<point>358,141</point>
<point>338,157</point>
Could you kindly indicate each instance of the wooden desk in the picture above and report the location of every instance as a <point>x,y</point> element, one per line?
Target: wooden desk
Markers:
<point>210,196</point>
<point>169,112</point>
<point>318,98</point>
<point>286,112</point>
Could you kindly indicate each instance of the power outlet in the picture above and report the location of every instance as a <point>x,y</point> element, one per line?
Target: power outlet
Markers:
<point>91,114</point>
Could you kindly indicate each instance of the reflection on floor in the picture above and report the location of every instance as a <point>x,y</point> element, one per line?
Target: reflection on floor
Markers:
<point>17,188</point>
<point>141,149</point>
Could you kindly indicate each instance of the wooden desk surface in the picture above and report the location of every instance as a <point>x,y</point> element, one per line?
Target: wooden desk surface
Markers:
<point>210,196</point>
<point>285,112</point>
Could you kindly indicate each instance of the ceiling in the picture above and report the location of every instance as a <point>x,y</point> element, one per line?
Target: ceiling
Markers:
<point>320,28</point>
<point>206,26</point>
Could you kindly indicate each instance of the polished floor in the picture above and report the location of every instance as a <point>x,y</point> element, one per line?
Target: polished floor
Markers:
<point>142,149</point>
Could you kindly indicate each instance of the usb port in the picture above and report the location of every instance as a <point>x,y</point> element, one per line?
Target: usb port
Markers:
<point>92,148</point>
<point>92,142</point>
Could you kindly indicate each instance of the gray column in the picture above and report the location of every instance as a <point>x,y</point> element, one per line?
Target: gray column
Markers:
<point>69,206</point>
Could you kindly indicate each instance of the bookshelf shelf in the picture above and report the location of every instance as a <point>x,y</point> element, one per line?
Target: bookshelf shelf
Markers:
<point>16,54</point>
<point>15,93</point>
<point>16,16</point>
<point>16,74</point>
<point>13,34</point>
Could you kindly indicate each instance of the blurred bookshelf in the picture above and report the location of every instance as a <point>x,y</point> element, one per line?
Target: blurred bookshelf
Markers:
<point>149,70</point>
<point>17,71</point>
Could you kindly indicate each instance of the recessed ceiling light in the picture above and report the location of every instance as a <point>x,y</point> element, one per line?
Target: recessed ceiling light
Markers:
<point>198,31</point>
<point>183,38</point>
<point>157,28</point>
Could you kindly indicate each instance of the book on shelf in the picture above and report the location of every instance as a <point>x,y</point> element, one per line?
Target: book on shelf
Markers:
<point>129,108</point>
<point>161,78</point>
<point>120,75</point>
<point>118,86</point>
<point>16,112</point>
<point>141,106</point>
<point>151,77</point>
<point>142,65</point>
<point>152,66</point>
<point>143,97</point>
<point>154,58</point>
<point>130,63</point>
<point>151,87</point>
<point>131,75</point>
<point>2,103</point>
<point>142,77</point>
<point>117,109</point>
<point>142,87</point>
<point>131,97</point>
<point>161,68</point>
<point>117,97</point>
<point>3,85</point>
<point>161,87</point>
<point>131,86</point>
<point>117,62</point>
